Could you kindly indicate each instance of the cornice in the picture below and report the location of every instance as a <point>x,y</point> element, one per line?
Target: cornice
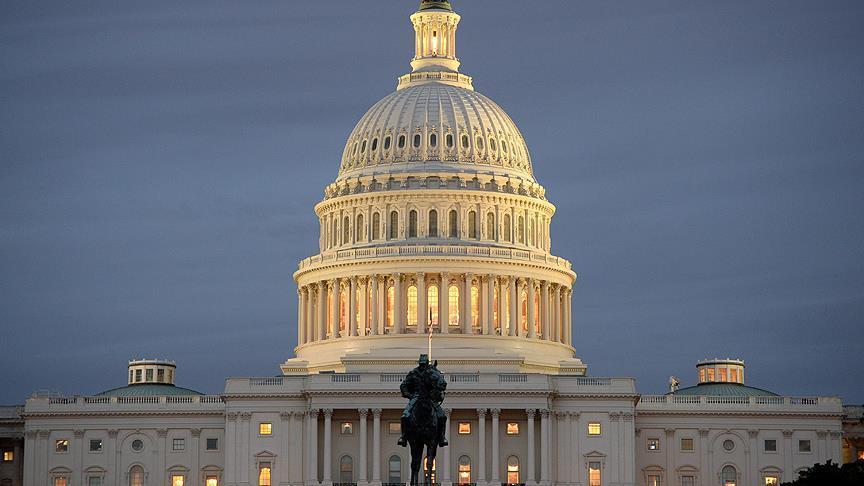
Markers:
<point>737,413</point>
<point>431,196</point>
<point>124,413</point>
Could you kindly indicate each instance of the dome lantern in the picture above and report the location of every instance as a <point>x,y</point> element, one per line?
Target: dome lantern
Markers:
<point>435,25</point>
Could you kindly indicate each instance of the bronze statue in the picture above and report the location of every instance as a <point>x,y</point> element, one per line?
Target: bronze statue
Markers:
<point>423,420</point>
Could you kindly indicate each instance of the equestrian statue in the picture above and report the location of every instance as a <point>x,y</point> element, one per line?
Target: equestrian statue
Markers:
<point>423,420</point>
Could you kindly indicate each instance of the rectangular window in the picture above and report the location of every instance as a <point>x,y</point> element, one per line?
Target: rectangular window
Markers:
<point>594,428</point>
<point>688,480</point>
<point>347,428</point>
<point>95,445</point>
<point>770,445</point>
<point>61,445</point>
<point>653,480</point>
<point>710,374</point>
<point>702,375</point>
<point>512,428</point>
<point>265,428</point>
<point>178,480</point>
<point>178,444</point>
<point>733,375</point>
<point>211,481</point>
<point>94,481</point>
<point>160,375</point>
<point>722,372</point>
<point>264,474</point>
<point>686,444</point>
<point>804,445</point>
<point>772,480</point>
<point>653,444</point>
<point>149,375</point>
<point>394,428</point>
<point>464,428</point>
<point>594,474</point>
<point>137,376</point>
<point>8,456</point>
<point>61,482</point>
<point>212,444</point>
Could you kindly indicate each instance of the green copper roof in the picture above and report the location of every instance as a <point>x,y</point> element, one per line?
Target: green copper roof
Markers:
<point>148,390</point>
<point>435,4</point>
<point>725,390</point>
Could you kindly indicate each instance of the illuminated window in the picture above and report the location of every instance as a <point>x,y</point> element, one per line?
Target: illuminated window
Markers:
<point>265,428</point>
<point>149,375</point>
<point>328,314</point>
<point>433,224</point>
<point>264,474</point>
<point>770,445</point>
<point>490,226</point>
<point>537,313</point>
<point>513,429</point>
<point>475,306</point>
<point>507,228</point>
<point>804,445</point>
<point>594,428</point>
<point>653,480</point>
<point>733,375</point>
<point>394,224</point>
<point>61,445</point>
<point>8,456</point>
<point>523,298</point>
<point>394,470</point>
<point>729,476</point>
<point>391,302</point>
<point>686,444</point>
<point>412,224</point>
<point>702,375</point>
<point>772,480</point>
<point>453,224</point>
<point>722,373</point>
<point>212,444</point>
<point>594,474</point>
<point>710,372</point>
<point>412,306</point>
<point>61,481</point>
<point>464,471</point>
<point>453,305</point>
<point>136,476</point>
<point>346,428</point>
<point>178,444</point>
<point>394,428</point>
<point>358,298</point>
<point>861,455</point>
<point>464,428</point>
<point>653,444</point>
<point>513,470</point>
<point>472,224</point>
<point>177,480</point>
<point>346,469</point>
<point>211,481</point>
<point>495,323</point>
<point>343,308</point>
<point>432,303</point>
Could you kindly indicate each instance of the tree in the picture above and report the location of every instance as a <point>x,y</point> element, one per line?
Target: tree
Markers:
<point>851,474</point>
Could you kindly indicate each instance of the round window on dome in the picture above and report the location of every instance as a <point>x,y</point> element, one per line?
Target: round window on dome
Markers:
<point>387,143</point>
<point>416,140</point>
<point>433,140</point>
<point>728,445</point>
<point>401,142</point>
<point>137,445</point>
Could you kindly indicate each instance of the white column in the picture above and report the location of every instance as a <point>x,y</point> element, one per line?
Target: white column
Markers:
<point>245,456</point>
<point>545,322</point>
<point>544,447</point>
<point>376,447</point>
<point>362,477</point>
<point>489,320</point>
<point>496,466</point>
<point>422,308</point>
<point>502,307</point>
<point>481,452</point>
<point>352,306</point>
<point>444,303</point>
<point>328,447</point>
<point>301,325</point>
<point>310,314</point>
<point>363,324</point>
<point>562,446</point>
<point>285,435</point>
<point>514,305</point>
<point>373,326</point>
<point>465,316</point>
<point>568,328</point>
<point>704,479</point>
<point>444,469</point>
<point>753,468</point>
<point>398,309</point>
<point>322,311</point>
<point>312,430</point>
<point>532,328</point>
<point>530,474</point>
<point>230,448</point>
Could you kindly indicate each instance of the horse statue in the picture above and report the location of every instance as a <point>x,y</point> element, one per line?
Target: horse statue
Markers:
<point>423,421</point>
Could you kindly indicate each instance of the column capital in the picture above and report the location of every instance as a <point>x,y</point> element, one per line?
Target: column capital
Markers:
<point>703,432</point>
<point>545,284</point>
<point>363,412</point>
<point>821,434</point>
<point>614,416</point>
<point>285,416</point>
<point>313,412</point>
<point>669,432</point>
<point>196,432</point>
<point>545,412</point>
<point>626,416</point>
<point>530,412</point>
<point>574,415</point>
<point>163,432</point>
<point>787,433</point>
<point>328,412</point>
<point>753,433</point>
<point>420,276</point>
<point>481,412</point>
<point>560,414</point>
<point>495,412</point>
<point>112,433</point>
<point>376,412</point>
<point>835,434</point>
<point>245,416</point>
<point>79,433</point>
<point>447,412</point>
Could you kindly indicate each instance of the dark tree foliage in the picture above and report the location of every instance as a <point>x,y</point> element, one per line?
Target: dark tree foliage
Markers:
<point>831,474</point>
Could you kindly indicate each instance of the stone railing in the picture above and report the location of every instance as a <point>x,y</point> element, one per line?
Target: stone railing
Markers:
<point>102,403</point>
<point>755,403</point>
<point>507,254</point>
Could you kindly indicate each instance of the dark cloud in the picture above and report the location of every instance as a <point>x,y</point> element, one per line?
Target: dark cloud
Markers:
<point>159,162</point>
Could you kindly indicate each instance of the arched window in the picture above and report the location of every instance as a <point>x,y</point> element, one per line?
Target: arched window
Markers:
<point>359,229</point>
<point>264,474</point>
<point>394,470</point>
<point>432,303</point>
<point>492,145</point>
<point>729,476</point>
<point>453,224</point>
<point>433,140</point>
<point>475,305</point>
<point>346,231</point>
<point>531,230</point>
<point>507,228</point>
<point>413,318</point>
<point>490,226</point>
<point>375,144</point>
<point>537,312</point>
<point>521,230</point>
<point>401,142</point>
<point>523,304</point>
<point>334,233</point>
<point>343,309</point>
<point>449,140</point>
<point>464,140</point>
<point>479,143</point>
<point>394,225</point>
<point>376,226</point>
<point>472,224</point>
<point>387,142</point>
<point>417,140</point>
<point>453,305</point>
<point>504,146</point>
<point>433,224</point>
<point>363,147</point>
<point>513,470</point>
<point>412,224</point>
<point>136,476</point>
<point>346,469</point>
<point>391,304</point>
<point>464,472</point>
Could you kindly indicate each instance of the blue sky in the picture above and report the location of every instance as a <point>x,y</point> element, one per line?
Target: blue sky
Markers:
<point>159,162</point>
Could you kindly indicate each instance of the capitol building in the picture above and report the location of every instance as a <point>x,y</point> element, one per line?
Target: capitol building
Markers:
<point>435,225</point>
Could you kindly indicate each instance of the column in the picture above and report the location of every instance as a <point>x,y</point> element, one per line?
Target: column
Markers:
<point>788,473</point>
<point>496,467</point>
<point>230,448</point>
<point>444,469</point>
<point>245,456</point>
<point>444,304</point>
<point>373,326</point>
<point>285,436</point>
<point>558,329</point>
<point>363,324</point>
<point>312,431</point>
<point>422,312</point>
<point>753,457</point>
<point>362,477</point>
<point>322,311</point>
<point>376,447</point>
<point>398,310</point>
<point>352,306</point>
<point>670,447</point>
<point>532,328</point>
<point>466,306</point>
<point>481,452</point>
<point>310,314</point>
<point>328,447</point>
<point>568,328</point>
<point>545,322</point>
<point>514,305</point>
<point>301,326</point>
<point>544,446</point>
<point>562,447</point>
<point>502,307</point>
<point>489,312</point>
<point>335,291</point>
<point>530,475</point>
<point>704,479</point>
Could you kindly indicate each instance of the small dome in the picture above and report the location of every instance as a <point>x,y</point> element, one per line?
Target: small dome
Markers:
<point>433,126</point>
<point>148,390</point>
<point>725,390</point>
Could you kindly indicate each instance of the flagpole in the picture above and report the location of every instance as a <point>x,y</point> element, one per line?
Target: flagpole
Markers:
<point>430,335</point>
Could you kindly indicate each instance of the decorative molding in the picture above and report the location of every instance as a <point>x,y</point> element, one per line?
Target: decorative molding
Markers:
<point>195,431</point>
<point>78,433</point>
<point>162,432</point>
<point>787,433</point>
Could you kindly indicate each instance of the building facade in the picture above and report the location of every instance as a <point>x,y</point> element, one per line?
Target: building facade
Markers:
<point>434,224</point>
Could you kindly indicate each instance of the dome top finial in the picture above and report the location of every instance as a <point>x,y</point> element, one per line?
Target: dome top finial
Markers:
<point>435,4</point>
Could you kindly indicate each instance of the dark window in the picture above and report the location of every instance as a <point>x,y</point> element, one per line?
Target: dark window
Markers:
<point>453,226</point>
<point>412,224</point>
<point>492,143</point>
<point>374,144</point>
<point>346,469</point>
<point>472,224</point>
<point>433,224</point>
<point>376,226</point>
<point>401,142</point>
<point>394,470</point>
<point>387,143</point>
<point>464,141</point>
<point>212,444</point>
<point>394,225</point>
<point>95,445</point>
<point>433,140</point>
<point>770,445</point>
<point>363,147</point>
<point>449,140</point>
<point>416,140</point>
<point>480,143</point>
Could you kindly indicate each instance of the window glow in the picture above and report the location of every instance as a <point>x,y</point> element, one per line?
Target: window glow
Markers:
<point>594,428</point>
<point>653,444</point>
<point>211,481</point>
<point>475,306</point>
<point>702,375</point>
<point>537,312</point>
<point>464,471</point>
<point>394,428</point>
<point>710,372</point>
<point>524,305</point>
<point>61,445</point>
<point>265,428</point>
<point>343,308</point>
<point>8,456</point>
<point>391,301</point>
<point>177,480</point>
<point>771,480</point>
<point>434,43</point>
<point>495,323</point>
<point>594,474</point>
<point>346,428</point>
<point>733,375</point>
<point>61,481</point>
<point>653,480</point>
<point>722,372</point>
<point>464,428</point>
<point>136,476</point>
<point>264,474</point>
<point>453,305</point>
<point>512,428</point>
<point>432,303</point>
<point>512,470</point>
<point>686,444</point>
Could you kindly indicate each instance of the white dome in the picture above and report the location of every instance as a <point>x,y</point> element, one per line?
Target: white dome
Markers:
<point>433,126</point>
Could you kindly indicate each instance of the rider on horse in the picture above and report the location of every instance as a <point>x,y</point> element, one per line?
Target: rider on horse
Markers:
<point>424,382</point>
